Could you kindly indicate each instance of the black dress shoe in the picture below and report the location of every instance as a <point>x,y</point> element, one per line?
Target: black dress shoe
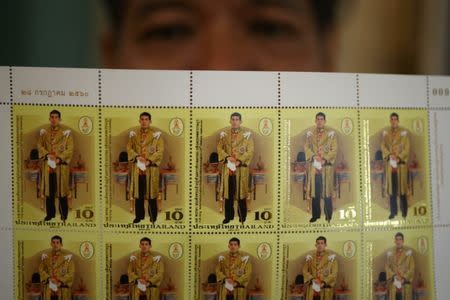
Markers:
<point>226,221</point>
<point>312,220</point>
<point>241,220</point>
<point>391,216</point>
<point>47,218</point>
<point>137,220</point>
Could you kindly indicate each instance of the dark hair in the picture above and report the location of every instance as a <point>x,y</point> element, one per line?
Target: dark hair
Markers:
<point>145,114</point>
<point>321,114</point>
<point>56,237</point>
<point>394,114</point>
<point>145,239</point>
<point>322,238</point>
<point>236,114</point>
<point>55,112</point>
<point>324,13</point>
<point>235,239</point>
<point>399,234</point>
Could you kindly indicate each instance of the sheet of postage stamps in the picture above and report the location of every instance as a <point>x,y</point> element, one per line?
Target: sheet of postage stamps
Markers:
<point>395,166</point>
<point>222,202</point>
<point>320,182</point>
<point>146,163</point>
<point>321,265</point>
<point>56,265</point>
<point>234,265</point>
<point>146,266</point>
<point>235,167</point>
<point>400,264</point>
<point>55,166</point>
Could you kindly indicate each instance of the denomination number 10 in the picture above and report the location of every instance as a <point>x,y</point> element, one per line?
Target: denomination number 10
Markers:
<point>349,213</point>
<point>265,215</point>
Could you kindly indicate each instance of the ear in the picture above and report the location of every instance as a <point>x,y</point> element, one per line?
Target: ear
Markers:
<point>107,49</point>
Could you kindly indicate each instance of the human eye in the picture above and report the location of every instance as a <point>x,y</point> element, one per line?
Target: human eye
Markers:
<point>166,32</point>
<point>273,28</point>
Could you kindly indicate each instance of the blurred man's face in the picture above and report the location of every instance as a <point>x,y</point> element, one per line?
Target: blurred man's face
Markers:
<point>56,245</point>
<point>235,122</point>
<point>399,241</point>
<point>219,35</point>
<point>320,245</point>
<point>394,122</point>
<point>320,122</point>
<point>54,120</point>
<point>145,246</point>
<point>233,246</point>
<point>144,121</point>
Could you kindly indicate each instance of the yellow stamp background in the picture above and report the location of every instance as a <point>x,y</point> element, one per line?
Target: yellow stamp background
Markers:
<point>346,206</point>
<point>30,246</point>
<point>27,122</point>
<point>348,255</point>
<point>206,253</point>
<point>376,207</point>
<point>378,243</point>
<point>119,248</point>
<point>117,124</point>
<point>207,209</point>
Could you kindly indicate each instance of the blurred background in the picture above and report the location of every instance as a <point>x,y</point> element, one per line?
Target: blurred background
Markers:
<point>382,36</point>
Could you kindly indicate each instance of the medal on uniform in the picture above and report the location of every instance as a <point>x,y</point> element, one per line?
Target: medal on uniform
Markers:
<point>242,150</point>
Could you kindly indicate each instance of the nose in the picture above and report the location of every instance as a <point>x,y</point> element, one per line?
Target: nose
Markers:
<point>225,47</point>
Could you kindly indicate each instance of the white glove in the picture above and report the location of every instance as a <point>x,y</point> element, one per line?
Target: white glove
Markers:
<point>397,283</point>
<point>141,165</point>
<point>51,163</point>
<point>231,166</point>
<point>316,286</point>
<point>317,164</point>
<point>52,286</point>
<point>229,286</point>
<point>142,287</point>
<point>393,163</point>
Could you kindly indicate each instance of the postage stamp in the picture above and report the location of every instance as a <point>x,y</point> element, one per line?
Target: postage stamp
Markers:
<point>395,166</point>
<point>234,265</point>
<point>56,265</point>
<point>146,266</point>
<point>235,167</point>
<point>146,163</point>
<point>400,263</point>
<point>322,264</point>
<point>320,168</point>
<point>56,166</point>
